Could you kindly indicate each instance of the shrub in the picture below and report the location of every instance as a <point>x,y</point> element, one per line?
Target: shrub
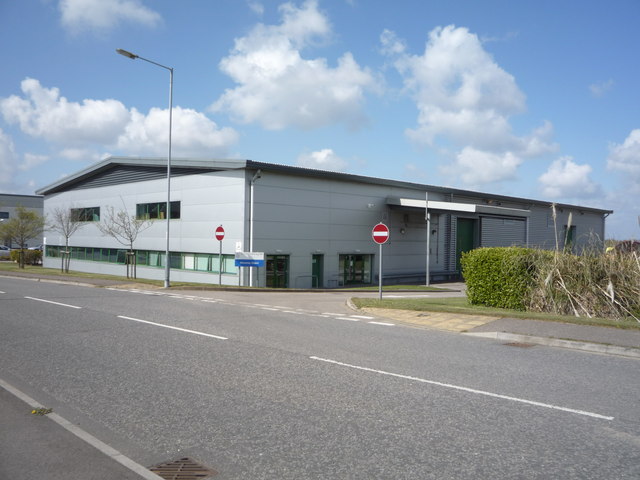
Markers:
<point>501,277</point>
<point>31,257</point>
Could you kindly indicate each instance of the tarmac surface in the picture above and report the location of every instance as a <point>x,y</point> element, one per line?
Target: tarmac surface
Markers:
<point>59,449</point>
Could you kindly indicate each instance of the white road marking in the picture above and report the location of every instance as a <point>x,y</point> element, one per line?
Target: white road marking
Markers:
<point>386,324</point>
<point>349,319</point>
<point>195,332</point>
<point>466,389</point>
<point>84,435</point>
<point>363,317</point>
<point>2,292</point>
<point>55,303</point>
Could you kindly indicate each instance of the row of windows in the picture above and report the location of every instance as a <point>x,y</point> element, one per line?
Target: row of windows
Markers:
<point>150,211</point>
<point>202,262</point>
<point>144,211</point>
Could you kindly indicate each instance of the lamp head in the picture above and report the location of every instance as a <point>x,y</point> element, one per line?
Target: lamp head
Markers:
<point>130,55</point>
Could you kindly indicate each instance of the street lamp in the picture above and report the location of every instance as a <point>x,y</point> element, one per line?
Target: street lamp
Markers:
<point>133,56</point>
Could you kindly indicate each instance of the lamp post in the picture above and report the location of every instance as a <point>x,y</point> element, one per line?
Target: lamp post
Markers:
<point>133,56</point>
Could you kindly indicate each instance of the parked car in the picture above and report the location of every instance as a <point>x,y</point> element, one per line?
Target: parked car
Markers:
<point>5,252</point>
<point>37,247</point>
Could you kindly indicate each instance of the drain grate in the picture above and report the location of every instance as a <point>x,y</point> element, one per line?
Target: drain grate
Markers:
<point>182,469</point>
<point>520,344</point>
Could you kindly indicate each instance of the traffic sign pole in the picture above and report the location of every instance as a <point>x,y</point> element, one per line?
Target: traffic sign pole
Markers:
<point>380,235</point>
<point>380,276</point>
<point>220,237</point>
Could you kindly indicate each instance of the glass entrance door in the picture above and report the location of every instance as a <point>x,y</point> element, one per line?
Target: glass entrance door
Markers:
<point>356,269</point>
<point>278,271</point>
<point>317,267</point>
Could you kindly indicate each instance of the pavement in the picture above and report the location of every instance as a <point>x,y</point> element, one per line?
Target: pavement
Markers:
<point>63,450</point>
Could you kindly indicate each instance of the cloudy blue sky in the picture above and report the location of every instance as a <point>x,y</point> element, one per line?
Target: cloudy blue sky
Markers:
<point>534,99</point>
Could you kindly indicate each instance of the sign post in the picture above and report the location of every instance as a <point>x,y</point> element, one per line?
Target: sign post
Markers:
<point>220,237</point>
<point>380,235</point>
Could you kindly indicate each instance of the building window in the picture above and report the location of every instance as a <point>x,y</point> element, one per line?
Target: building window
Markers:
<point>202,262</point>
<point>89,214</point>
<point>157,211</point>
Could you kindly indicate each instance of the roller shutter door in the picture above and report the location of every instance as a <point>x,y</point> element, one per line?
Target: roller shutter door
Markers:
<point>502,232</point>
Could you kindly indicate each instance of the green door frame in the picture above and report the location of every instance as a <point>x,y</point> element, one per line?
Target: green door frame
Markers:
<point>277,271</point>
<point>317,269</point>
<point>466,238</point>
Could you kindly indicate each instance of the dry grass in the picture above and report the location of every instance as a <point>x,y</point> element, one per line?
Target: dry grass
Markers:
<point>589,285</point>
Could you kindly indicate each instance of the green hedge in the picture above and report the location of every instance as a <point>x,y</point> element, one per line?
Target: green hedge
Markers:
<point>31,257</point>
<point>501,277</point>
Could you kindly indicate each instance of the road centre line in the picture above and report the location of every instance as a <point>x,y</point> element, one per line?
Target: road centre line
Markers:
<point>195,332</point>
<point>54,303</point>
<point>466,389</point>
<point>386,324</point>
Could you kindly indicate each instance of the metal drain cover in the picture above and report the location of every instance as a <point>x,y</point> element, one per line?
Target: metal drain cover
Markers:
<point>520,344</point>
<point>182,469</point>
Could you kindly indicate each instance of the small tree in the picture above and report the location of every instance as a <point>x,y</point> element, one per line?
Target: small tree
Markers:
<point>64,222</point>
<point>125,229</point>
<point>26,224</point>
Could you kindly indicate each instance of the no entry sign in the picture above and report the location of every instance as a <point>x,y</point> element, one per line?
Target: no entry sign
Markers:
<point>380,233</point>
<point>219,233</point>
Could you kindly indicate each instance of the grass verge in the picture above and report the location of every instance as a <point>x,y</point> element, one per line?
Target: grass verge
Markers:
<point>462,305</point>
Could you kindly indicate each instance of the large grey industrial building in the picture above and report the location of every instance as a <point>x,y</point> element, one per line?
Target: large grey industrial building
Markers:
<point>9,204</point>
<point>313,226</point>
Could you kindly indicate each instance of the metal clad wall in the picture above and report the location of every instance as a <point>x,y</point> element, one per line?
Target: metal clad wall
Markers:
<point>502,232</point>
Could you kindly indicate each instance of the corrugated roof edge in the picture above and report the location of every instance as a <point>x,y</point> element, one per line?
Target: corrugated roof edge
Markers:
<point>236,164</point>
<point>418,186</point>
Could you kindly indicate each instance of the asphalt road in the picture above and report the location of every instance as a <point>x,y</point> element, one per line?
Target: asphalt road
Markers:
<point>264,386</point>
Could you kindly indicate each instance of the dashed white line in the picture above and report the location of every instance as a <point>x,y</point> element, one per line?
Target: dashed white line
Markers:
<point>386,324</point>
<point>349,319</point>
<point>195,332</point>
<point>54,303</point>
<point>466,389</point>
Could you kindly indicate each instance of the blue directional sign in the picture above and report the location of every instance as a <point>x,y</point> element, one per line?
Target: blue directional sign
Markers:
<point>249,259</point>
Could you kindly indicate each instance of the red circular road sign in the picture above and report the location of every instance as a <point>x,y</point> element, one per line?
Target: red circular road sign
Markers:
<point>219,233</point>
<point>380,233</point>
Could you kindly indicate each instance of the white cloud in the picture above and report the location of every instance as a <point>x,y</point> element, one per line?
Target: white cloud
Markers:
<point>80,15</point>
<point>324,159</point>
<point>478,167</point>
<point>80,127</point>
<point>278,88</point>
<point>7,162</point>
<point>599,89</point>
<point>256,7</point>
<point>625,158</point>
<point>79,154</point>
<point>31,160</point>
<point>565,179</point>
<point>45,114</point>
<point>193,134</point>
<point>465,101</point>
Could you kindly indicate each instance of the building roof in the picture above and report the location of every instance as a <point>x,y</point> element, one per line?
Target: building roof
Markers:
<point>183,166</point>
